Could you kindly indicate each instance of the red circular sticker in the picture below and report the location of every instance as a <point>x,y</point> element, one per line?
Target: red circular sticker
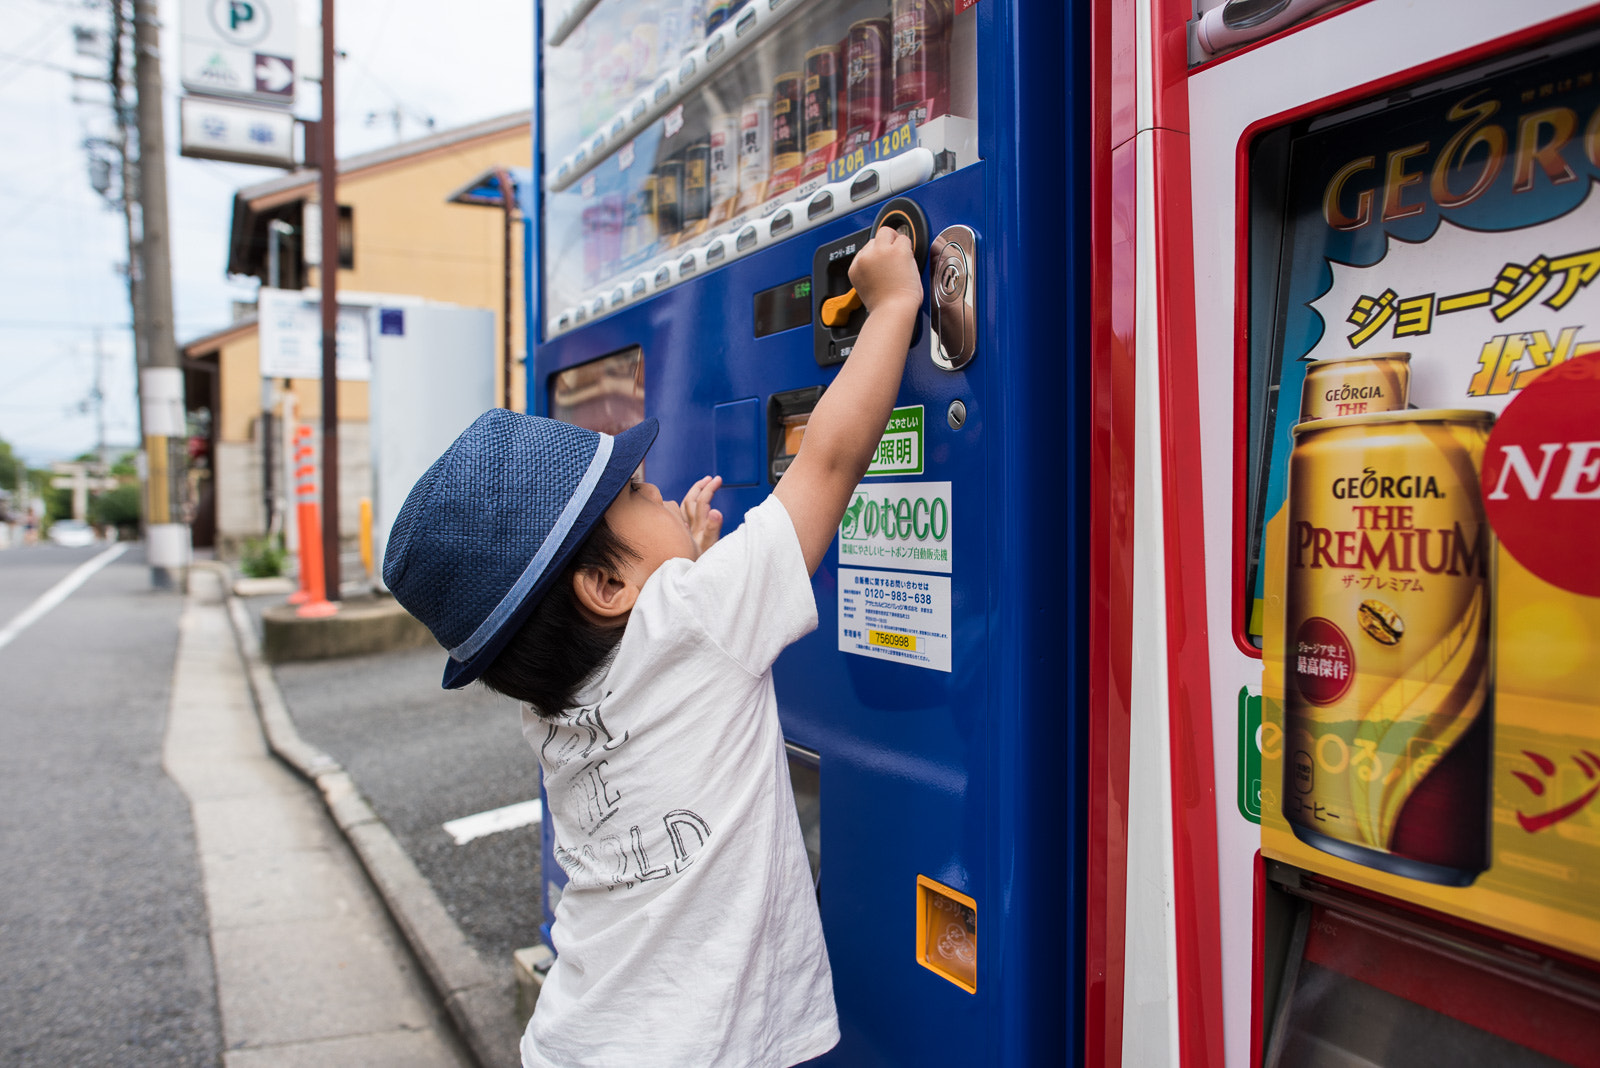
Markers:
<point>1541,476</point>
<point>1322,661</point>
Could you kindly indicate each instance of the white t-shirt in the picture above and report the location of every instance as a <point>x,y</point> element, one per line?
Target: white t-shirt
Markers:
<point>688,934</point>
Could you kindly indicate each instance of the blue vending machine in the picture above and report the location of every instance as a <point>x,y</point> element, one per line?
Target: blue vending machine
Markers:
<point>704,173</point>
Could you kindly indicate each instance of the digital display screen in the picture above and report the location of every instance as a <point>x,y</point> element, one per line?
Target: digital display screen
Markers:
<point>783,307</point>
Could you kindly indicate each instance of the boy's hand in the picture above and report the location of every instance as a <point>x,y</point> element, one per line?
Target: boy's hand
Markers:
<point>885,271</point>
<point>704,521</point>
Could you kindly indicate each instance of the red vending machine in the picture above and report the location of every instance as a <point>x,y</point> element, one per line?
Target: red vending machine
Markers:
<point>1350,759</point>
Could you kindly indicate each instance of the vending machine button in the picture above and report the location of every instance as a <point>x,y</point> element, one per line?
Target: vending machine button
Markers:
<point>820,205</point>
<point>746,23</point>
<point>639,108</point>
<point>781,223</point>
<point>864,186</point>
<point>714,49</point>
<point>746,239</point>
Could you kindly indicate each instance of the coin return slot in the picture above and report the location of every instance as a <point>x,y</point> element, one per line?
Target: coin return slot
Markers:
<point>782,222</point>
<point>820,205</point>
<point>864,186</point>
<point>947,933</point>
<point>787,416</point>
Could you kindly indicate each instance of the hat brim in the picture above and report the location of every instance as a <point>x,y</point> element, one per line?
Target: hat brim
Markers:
<point>628,450</point>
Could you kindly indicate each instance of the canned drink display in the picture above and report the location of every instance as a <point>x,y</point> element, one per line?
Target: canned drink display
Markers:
<point>869,84</point>
<point>639,227</point>
<point>820,117</point>
<point>921,60</point>
<point>646,38</point>
<point>1388,663</point>
<point>787,146</point>
<point>612,209</point>
<point>1355,385</point>
<point>755,150</point>
<point>669,197</point>
<point>717,12</point>
<point>696,182</point>
<point>724,142</point>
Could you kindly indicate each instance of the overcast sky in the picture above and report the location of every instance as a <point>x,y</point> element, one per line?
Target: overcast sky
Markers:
<point>61,247</point>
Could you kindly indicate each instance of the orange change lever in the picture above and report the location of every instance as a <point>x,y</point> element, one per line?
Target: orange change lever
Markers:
<point>836,311</point>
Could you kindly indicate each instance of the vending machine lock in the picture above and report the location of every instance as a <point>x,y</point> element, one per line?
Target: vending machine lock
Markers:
<point>839,313</point>
<point>954,284</point>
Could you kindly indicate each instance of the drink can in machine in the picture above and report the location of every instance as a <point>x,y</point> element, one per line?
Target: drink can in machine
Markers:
<point>821,94</point>
<point>921,60</point>
<point>755,150</point>
<point>869,82</point>
<point>787,146</point>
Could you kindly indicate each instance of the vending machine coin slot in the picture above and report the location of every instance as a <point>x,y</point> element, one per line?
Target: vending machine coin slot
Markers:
<point>840,313</point>
<point>787,415</point>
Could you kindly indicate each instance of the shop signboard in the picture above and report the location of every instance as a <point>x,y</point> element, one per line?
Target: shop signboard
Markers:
<point>1426,497</point>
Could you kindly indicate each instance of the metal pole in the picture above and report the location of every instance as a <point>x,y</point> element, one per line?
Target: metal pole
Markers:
<point>508,203</point>
<point>328,195</point>
<point>161,381</point>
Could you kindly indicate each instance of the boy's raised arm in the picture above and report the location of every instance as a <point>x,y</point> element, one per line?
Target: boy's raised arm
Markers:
<point>844,430</point>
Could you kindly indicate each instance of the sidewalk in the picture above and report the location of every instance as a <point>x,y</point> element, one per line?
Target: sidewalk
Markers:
<point>480,992</point>
<point>309,969</point>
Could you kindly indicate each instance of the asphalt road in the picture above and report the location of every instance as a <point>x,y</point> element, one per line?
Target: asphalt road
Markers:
<point>422,756</point>
<point>104,951</point>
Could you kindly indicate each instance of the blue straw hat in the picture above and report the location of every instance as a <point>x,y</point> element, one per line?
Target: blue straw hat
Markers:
<point>487,529</point>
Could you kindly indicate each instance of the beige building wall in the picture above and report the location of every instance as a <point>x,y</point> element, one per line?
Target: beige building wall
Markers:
<point>408,239</point>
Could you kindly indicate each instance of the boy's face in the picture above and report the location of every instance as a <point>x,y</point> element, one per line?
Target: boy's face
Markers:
<point>653,528</point>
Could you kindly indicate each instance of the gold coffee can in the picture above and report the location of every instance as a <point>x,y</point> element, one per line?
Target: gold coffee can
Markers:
<point>1356,385</point>
<point>1388,672</point>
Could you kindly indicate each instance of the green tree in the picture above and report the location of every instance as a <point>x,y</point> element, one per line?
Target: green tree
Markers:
<point>8,466</point>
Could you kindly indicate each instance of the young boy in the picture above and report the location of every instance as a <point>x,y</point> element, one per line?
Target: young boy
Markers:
<point>688,934</point>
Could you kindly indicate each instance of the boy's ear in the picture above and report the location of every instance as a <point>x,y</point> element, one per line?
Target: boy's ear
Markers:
<point>603,595</point>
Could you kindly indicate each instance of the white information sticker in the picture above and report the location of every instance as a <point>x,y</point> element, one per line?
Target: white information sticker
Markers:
<point>898,524</point>
<point>893,615</point>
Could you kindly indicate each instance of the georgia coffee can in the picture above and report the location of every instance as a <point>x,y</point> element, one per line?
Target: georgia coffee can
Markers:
<point>1388,664</point>
<point>755,149</point>
<point>787,145</point>
<point>921,58</point>
<point>1355,385</point>
<point>869,83</point>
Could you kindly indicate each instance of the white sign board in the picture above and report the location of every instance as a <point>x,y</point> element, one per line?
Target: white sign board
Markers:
<point>896,616</point>
<point>235,133</point>
<point>240,48</point>
<point>898,524</point>
<point>291,337</point>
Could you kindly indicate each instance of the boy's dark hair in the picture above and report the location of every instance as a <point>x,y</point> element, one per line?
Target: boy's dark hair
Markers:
<point>558,647</point>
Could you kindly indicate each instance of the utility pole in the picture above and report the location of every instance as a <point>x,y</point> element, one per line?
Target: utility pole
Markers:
<point>327,193</point>
<point>160,378</point>
<point>130,187</point>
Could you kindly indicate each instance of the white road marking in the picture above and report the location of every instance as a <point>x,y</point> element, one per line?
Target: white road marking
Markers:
<point>522,814</point>
<point>59,592</point>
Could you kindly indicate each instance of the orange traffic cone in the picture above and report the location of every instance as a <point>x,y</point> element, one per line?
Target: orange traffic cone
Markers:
<point>312,597</point>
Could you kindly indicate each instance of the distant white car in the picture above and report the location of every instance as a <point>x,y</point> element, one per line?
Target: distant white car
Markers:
<point>72,533</point>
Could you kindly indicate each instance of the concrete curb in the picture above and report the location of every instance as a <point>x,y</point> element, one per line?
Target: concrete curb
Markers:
<point>479,997</point>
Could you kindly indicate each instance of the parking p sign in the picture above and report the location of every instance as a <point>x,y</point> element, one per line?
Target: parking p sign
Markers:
<point>243,49</point>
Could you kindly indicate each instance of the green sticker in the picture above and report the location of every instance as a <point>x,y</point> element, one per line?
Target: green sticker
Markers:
<point>900,449</point>
<point>1249,755</point>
